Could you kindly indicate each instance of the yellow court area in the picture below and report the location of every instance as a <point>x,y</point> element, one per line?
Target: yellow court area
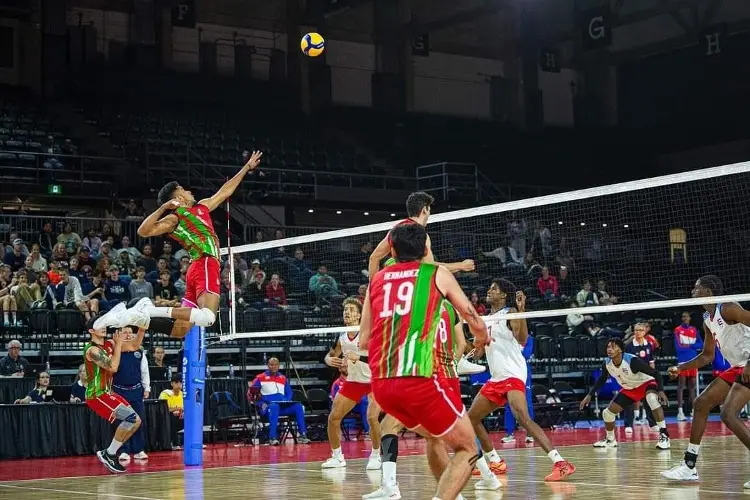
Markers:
<point>631,471</point>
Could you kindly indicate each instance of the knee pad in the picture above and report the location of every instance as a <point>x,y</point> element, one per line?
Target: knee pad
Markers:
<point>608,416</point>
<point>653,400</point>
<point>202,317</point>
<point>128,416</point>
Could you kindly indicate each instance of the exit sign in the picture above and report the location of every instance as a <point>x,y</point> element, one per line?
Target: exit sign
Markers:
<point>54,189</point>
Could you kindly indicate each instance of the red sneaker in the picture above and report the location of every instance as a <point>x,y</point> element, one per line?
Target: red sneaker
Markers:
<point>497,468</point>
<point>560,471</point>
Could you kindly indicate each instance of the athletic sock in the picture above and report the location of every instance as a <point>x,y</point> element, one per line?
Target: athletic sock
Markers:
<point>159,312</point>
<point>389,474</point>
<point>389,447</point>
<point>610,435</point>
<point>484,469</point>
<point>492,456</point>
<point>336,452</point>
<point>113,447</point>
<point>691,455</point>
<point>555,456</point>
<point>662,427</point>
<point>375,453</point>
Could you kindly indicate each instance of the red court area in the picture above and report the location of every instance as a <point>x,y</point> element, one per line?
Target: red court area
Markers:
<point>221,455</point>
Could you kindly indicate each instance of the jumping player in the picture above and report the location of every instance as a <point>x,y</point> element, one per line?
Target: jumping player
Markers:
<point>190,224</point>
<point>401,319</point>
<point>726,326</point>
<point>102,359</point>
<point>638,380</point>
<point>357,384</point>
<point>508,382</point>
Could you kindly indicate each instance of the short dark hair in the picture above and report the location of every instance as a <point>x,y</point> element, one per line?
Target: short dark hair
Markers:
<point>140,268</point>
<point>176,377</point>
<point>618,342</point>
<point>409,241</point>
<point>509,288</point>
<point>713,283</point>
<point>166,193</point>
<point>416,202</point>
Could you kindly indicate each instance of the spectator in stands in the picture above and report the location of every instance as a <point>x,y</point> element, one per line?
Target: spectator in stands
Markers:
<point>181,283</point>
<point>75,271</point>
<point>102,266</point>
<point>158,357</point>
<point>115,288</point>
<point>59,255</point>
<point>109,233</point>
<point>547,285</point>
<point>275,295</point>
<point>161,266</point>
<point>225,298</point>
<point>39,262</point>
<point>565,284</point>
<point>15,259</point>
<point>165,293</point>
<point>475,301</point>
<point>517,229</point>
<point>256,275</point>
<point>73,295</point>
<point>323,286</point>
<point>43,281</point>
<point>531,265</point>
<point>146,260</point>
<point>541,243</point>
<point>132,211</point>
<point>13,365</point>
<point>586,297</point>
<point>688,344</point>
<point>299,261</point>
<point>174,399</point>
<point>47,239</point>
<point>125,264</point>
<point>604,297</point>
<point>607,332</point>
<point>26,294</point>
<point>86,263</point>
<point>276,400</point>
<point>126,248</point>
<point>70,239</point>
<point>577,323</point>
<point>39,393</point>
<point>93,242</point>
<point>564,255</point>
<point>166,253</point>
<point>78,388</point>
<point>362,293</point>
<point>52,149</point>
<point>14,236</point>
<point>139,287</point>
<point>240,264</point>
<point>106,251</point>
<point>28,269</point>
<point>54,272</point>
<point>7,301</point>
<point>94,289</point>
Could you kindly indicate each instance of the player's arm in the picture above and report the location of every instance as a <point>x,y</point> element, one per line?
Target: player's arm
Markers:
<point>232,184</point>
<point>333,358</point>
<point>705,357</point>
<point>450,289</point>
<point>135,344</point>
<point>736,314</point>
<point>603,376</point>
<point>458,333</point>
<point>365,323</point>
<point>382,251</point>
<point>454,267</point>
<point>519,327</point>
<point>156,223</point>
<point>104,361</point>
<point>639,366</point>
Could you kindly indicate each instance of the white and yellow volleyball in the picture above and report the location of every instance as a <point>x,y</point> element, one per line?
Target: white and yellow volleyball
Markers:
<point>312,44</point>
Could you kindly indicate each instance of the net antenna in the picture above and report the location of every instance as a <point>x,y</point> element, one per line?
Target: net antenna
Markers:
<point>232,297</point>
<point>695,199</point>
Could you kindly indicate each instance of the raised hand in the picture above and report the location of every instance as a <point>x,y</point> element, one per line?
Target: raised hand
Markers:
<point>520,301</point>
<point>254,160</point>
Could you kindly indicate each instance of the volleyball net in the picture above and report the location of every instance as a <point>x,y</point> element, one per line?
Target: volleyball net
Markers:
<point>618,250</point>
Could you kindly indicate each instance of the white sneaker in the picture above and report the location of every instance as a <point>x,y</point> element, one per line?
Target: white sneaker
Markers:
<point>680,473</point>
<point>138,314</point>
<point>746,485</point>
<point>681,416</point>
<point>628,430</point>
<point>488,484</point>
<point>529,439</point>
<point>124,458</point>
<point>141,456</point>
<point>113,318</point>
<point>663,443</point>
<point>374,463</point>
<point>606,443</point>
<point>384,493</point>
<point>466,367</point>
<point>510,438</point>
<point>334,463</point>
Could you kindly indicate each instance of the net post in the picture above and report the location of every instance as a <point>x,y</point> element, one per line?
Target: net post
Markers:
<point>194,379</point>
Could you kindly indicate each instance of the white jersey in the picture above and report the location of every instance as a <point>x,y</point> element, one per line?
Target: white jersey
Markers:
<point>359,371</point>
<point>733,340</point>
<point>504,354</point>
<point>624,373</point>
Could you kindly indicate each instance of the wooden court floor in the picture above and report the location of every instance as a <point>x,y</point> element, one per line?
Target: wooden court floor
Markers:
<point>631,472</point>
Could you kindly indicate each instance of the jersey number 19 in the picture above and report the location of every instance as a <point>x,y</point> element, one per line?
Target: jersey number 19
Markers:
<point>404,294</point>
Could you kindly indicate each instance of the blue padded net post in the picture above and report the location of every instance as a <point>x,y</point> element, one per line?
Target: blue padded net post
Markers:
<point>194,380</point>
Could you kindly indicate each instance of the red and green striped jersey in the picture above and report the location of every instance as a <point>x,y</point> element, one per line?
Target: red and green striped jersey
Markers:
<point>445,343</point>
<point>98,380</point>
<point>406,310</point>
<point>195,232</point>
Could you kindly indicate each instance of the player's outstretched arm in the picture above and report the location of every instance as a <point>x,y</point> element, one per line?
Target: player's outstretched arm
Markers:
<point>454,267</point>
<point>381,252</point>
<point>135,344</point>
<point>705,357</point>
<point>603,376</point>
<point>155,224</point>
<point>232,184</point>
<point>519,327</point>
<point>365,323</point>
<point>450,289</point>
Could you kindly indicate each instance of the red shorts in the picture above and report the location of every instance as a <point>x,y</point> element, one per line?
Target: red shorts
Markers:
<point>692,373</point>
<point>202,277</point>
<point>497,392</point>
<point>433,403</point>
<point>639,392</point>
<point>355,390</point>
<point>732,375</point>
<point>106,405</point>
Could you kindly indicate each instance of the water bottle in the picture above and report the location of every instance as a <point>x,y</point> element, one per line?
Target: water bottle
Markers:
<point>208,371</point>
<point>231,371</point>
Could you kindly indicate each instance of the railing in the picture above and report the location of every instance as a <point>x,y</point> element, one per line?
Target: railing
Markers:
<point>24,165</point>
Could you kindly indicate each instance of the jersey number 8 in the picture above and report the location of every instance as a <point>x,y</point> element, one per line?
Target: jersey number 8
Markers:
<point>404,295</point>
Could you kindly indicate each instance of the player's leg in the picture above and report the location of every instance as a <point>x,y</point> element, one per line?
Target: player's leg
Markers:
<point>652,400</point>
<point>530,407</point>
<point>510,426</point>
<point>561,468</point>
<point>460,438</point>
<point>609,415</point>
<point>738,397</point>
<point>341,407</point>
<point>138,440</point>
<point>372,415</point>
<point>692,389</point>
<point>489,462</point>
<point>390,426</point>
<point>681,383</point>
<point>114,407</point>
<point>711,397</point>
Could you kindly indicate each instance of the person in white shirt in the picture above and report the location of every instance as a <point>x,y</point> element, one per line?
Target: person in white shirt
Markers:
<point>74,295</point>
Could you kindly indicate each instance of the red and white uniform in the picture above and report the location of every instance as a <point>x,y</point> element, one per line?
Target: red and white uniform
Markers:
<point>358,378</point>
<point>733,342</point>
<point>505,359</point>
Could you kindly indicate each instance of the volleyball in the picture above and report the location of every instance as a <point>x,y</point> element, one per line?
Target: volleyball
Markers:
<point>312,44</point>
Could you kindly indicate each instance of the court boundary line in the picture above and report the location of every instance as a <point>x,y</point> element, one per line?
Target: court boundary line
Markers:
<point>74,492</point>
